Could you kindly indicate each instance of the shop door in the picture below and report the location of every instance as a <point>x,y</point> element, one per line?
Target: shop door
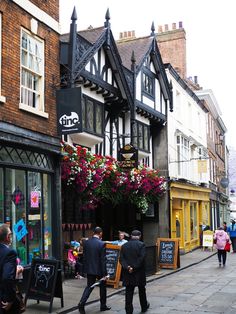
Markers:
<point>177,225</point>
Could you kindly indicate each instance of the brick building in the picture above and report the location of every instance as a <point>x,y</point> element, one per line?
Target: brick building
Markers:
<point>29,145</point>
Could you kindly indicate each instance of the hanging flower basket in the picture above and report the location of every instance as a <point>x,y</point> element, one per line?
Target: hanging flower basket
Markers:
<point>99,178</point>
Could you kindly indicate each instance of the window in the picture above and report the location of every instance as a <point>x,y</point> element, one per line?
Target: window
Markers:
<point>92,115</point>
<point>193,220</point>
<point>141,136</point>
<point>148,84</point>
<point>32,72</point>
<point>183,155</point>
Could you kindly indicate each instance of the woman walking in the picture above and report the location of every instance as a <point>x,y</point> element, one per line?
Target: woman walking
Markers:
<point>221,237</point>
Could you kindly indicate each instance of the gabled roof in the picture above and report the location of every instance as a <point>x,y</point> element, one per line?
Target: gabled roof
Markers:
<point>143,47</point>
<point>140,46</point>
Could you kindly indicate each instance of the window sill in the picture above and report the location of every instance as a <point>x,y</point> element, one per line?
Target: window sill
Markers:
<point>33,110</point>
<point>2,99</point>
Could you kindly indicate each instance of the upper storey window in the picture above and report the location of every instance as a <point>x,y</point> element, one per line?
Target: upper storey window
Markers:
<point>32,72</point>
<point>148,84</point>
<point>93,116</point>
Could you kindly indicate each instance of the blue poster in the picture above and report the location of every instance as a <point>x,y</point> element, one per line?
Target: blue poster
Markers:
<point>20,229</point>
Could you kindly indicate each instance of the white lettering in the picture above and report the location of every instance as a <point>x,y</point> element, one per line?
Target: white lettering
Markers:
<point>69,121</point>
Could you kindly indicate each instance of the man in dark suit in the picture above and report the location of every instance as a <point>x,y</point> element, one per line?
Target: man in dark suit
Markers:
<point>7,272</point>
<point>94,261</point>
<point>132,259</point>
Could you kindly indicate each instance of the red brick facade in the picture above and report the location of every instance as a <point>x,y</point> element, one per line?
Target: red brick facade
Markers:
<point>14,19</point>
<point>172,45</point>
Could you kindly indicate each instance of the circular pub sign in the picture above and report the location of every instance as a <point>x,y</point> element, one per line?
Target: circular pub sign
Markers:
<point>224,182</point>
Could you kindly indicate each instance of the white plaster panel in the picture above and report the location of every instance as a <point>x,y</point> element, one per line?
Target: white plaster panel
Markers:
<point>142,119</point>
<point>92,94</point>
<point>138,87</point>
<point>148,102</point>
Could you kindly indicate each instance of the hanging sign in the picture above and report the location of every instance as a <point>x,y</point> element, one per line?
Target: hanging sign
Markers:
<point>128,157</point>
<point>34,199</point>
<point>69,110</point>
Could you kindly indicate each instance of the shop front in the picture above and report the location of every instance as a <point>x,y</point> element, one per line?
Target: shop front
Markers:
<point>29,199</point>
<point>189,206</point>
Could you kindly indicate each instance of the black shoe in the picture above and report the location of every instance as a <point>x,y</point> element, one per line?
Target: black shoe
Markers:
<point>147,307</point>
<point>81,309</point>
<point>105,308</point>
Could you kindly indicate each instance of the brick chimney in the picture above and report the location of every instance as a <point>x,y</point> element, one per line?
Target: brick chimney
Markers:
<point>127,35</point>
<point>172,46</point>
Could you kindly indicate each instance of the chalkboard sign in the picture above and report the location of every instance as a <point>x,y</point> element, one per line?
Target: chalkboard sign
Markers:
<point>113,265</point>
<point>44,281</point>
<point>168,253</point>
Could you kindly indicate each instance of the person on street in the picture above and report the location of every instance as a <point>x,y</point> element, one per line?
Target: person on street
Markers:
<point>232,234</point>
<point>132,259</point>
<point>121,239</point>
<point>221,237</point>
<point>94,261</point>
<point>225,226</point>
<point>8,266</point>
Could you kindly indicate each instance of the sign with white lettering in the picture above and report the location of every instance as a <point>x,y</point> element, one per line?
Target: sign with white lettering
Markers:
<point>44,281</point>
<point>113,265</point>
<point>168,253</point>
<point>69,110</point>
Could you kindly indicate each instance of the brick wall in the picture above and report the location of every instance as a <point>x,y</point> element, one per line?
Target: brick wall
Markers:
<point>51,7</point>
<point>13,18</point>
<point>172,45</point>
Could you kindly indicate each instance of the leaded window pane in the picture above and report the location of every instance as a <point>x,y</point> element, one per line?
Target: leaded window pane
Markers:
<point>99,119</point>
<point>90,116</point>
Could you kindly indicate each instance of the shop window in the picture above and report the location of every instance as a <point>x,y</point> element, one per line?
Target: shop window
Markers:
<point>32,72</point>
<point>141,136</point>
<point>15,207</point>
<point>47,216</point>
<point>27,199</point>
<point>185,221</point>
<point>92,116</point>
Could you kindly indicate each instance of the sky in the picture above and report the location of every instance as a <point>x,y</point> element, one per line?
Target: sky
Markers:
<point>210,27</point>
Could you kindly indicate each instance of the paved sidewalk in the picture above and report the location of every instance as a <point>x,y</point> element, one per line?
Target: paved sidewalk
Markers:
<point>73,288</point>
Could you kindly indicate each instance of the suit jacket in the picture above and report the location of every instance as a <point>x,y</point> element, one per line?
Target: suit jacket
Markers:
<point>94,257</point>
<point>7,273</point>
<point>133,254</point>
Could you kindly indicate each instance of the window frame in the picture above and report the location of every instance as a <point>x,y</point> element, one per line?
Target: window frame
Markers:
<point>146,73</point>
<point>95,104</point>
<point>138,125</point>
<point>39,107</point>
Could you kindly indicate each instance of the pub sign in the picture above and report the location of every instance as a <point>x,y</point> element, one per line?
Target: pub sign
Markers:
<point>69,110</point>
<point>128,157</point>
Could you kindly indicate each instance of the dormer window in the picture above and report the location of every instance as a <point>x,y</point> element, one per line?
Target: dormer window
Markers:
<point>148,84</point>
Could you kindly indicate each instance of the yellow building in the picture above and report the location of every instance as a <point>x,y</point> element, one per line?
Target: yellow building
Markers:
<point>189,210</point>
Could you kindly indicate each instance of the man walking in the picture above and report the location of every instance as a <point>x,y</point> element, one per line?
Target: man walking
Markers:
<point>132,259</point>
<point>94,261</point>
<point>7,272</point>
<point>232,234</point>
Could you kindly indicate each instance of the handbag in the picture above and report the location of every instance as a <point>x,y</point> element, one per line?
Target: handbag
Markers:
<point>227,247</point>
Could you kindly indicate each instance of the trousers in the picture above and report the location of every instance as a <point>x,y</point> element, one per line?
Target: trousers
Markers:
<point>91,279</point>
<point>129,293</point>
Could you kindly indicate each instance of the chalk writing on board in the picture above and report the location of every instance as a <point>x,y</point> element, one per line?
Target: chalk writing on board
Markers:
<point>43,273</point>
<point>167,250</point>
<point>111,262</point>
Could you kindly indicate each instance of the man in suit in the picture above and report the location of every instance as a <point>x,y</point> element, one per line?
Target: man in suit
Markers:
<point>94,261</point>
<point>7,272</point>
<point>132,259</point>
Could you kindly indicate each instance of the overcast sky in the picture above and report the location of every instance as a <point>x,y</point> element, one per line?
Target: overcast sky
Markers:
<point>210,33</point>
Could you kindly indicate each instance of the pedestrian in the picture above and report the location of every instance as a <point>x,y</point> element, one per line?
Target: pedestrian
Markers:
<point>8,265</point>
<point>225,226</point>
<point>231,229</point>
<point>221,237</point>
<point>132,259</point>
<point>121,239</point>
<point>94,261</point>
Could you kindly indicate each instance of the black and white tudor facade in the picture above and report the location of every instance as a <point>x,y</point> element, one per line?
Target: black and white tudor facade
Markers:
<point>123,98</point>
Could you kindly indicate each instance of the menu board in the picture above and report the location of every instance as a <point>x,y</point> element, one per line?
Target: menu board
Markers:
<point>112,264</point>
<point>168,253</point>
<point>44,281</point>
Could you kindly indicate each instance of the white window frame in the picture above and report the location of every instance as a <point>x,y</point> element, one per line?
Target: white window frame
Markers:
<point>2,98</point>
<point>183,155</point>
<point>33,99</point>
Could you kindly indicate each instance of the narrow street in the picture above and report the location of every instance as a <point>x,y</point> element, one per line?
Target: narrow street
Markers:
<point>202,288</point>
